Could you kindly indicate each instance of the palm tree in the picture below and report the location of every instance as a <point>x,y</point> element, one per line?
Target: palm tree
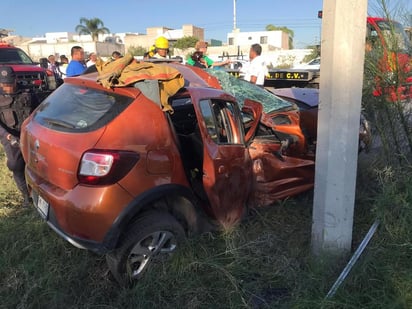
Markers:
<point>93,26</point>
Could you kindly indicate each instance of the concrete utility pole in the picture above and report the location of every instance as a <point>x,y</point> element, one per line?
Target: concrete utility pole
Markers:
<point>234,15</point>
<point>342,50</point>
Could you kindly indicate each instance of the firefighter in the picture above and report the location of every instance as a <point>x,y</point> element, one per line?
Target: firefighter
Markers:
<point>15,107</point>
<point>152,51</point>
<point>149,54</point>
<point>162,48</point>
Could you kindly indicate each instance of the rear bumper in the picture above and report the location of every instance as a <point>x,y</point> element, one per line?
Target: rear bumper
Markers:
<point>94,246</point>
<point>84,215</point>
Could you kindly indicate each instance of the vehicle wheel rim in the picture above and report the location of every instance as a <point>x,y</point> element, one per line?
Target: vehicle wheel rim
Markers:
<point>152,247</point>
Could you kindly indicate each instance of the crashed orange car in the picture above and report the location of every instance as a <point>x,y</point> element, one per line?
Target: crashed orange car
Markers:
<point>129,164</point>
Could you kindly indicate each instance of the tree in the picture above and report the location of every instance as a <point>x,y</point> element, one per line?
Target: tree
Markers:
<point>185,42</point>
<point>313,54</point>
<point>137,50</point>
<point>290,32</point>
<point>93,26</point>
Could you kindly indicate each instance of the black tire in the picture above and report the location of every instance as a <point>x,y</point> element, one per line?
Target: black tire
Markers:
<point>153,237</point>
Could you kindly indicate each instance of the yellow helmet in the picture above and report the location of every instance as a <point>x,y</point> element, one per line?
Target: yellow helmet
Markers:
<point>162,43</point>
<point>152,48</point>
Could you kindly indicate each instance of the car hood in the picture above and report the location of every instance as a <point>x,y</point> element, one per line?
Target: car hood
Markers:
<point>26,68</point>
<point>309,96</point>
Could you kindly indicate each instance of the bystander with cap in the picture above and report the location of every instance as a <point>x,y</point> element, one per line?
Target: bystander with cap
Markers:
<point>201,49</point>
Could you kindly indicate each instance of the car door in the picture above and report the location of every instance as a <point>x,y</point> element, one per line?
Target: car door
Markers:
<point>227,167</point>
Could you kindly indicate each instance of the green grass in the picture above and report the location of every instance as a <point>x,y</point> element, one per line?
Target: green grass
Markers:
<point>263,263</point>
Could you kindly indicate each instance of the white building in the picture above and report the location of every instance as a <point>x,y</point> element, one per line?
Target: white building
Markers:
<point>58,37</point>
<point>270,40</point>
<point>275,44</point>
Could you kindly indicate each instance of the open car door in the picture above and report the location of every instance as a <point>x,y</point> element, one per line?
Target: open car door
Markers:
<point>254,109</point>
<point>227,166</point>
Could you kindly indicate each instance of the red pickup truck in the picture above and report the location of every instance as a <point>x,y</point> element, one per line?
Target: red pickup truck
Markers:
<point>389,53</point>
<point>29,74</point>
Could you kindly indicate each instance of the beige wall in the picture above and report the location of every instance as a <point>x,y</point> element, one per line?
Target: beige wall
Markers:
<point>41,50</point>
<point>190,30</point>
<point>155,31</point>
<point>144,40</point>
<point>148,39</point>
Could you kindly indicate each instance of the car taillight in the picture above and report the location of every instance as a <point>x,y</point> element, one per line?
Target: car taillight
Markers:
<point>104,167</point>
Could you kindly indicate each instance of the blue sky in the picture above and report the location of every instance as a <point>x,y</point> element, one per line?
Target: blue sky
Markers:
<point>35,18</point>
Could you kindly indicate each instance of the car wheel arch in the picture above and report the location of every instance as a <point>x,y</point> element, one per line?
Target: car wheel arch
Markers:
<point>176,200</point>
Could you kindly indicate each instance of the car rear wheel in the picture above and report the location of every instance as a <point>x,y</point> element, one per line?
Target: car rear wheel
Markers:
<point>150,240</point>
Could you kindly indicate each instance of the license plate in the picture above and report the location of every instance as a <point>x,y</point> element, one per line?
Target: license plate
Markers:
<point>42,207</point>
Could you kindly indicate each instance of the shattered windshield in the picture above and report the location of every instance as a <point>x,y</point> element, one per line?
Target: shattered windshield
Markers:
<point>242,90</point>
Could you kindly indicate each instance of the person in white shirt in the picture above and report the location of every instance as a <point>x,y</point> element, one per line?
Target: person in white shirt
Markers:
<point>92,59</point>
<point>257,69</point>
<point>53,66</point>
<point>64,61</point>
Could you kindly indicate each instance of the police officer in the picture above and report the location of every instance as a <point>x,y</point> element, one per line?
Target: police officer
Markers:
<point>15,106</point>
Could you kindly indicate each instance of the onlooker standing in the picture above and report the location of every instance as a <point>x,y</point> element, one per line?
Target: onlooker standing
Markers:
<point>198,60</point>
<point>64,62</point>
<point>76,65</point>
<point>53,66</point>
<point>257,70</point>
<point>44,63</point>
<point>15,107</point>
<point>201,47</point>
<point>92,59</point>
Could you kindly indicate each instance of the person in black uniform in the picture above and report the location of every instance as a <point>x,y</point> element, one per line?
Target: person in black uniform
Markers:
<point>15,107</point>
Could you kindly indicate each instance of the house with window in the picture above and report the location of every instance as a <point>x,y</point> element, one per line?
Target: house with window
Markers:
<point>270,40</point>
